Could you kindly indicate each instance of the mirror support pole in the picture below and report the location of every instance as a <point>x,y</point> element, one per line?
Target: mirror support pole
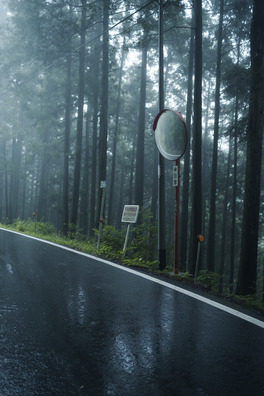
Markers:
<point>177,220</point>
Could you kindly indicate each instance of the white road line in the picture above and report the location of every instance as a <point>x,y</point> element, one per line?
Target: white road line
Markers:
<point>205,300</point>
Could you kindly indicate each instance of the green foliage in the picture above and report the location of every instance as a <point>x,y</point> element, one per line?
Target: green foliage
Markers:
<point>112,242</point>
<point>251,301</point>
<point>209,280</point>
<point>45,228</point>
<point>144,238</point>
<point>187,277</point>
<point>20,225</point>
<point>138,262</point>
<point>143,246</point>
<point>35,228</point>
<point>112,238</point>
<point>74,232</point>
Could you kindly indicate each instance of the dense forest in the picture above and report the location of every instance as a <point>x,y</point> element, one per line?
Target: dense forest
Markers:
<point>79,92</point>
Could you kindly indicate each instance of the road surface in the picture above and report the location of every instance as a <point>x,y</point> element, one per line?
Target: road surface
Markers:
<point>73,325</point>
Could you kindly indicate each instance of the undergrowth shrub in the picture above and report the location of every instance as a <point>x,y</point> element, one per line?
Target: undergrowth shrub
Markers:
<point>30,226</point>
<point>144,238</point>
<point>209,279</point>
<point>112,242</point>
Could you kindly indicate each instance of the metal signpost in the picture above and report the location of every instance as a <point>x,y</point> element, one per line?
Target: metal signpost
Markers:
<point>130,215</point>
<point>101,220</point>
<point>171,139</point>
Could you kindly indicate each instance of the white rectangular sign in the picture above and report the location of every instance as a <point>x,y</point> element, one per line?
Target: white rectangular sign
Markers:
<point>130,214</point>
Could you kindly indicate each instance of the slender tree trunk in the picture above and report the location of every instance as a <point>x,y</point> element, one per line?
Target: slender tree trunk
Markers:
<point>104,103</point>
<point>154,195</point>
<point>67,130</point>
<point>247,275</point>
<point>85,180</point>
<point>207,150</point>
<point>234,191</point>
<point>139,177</point>
<point>94,142</point>
<point>186,171</point>
<point>121,196</point>
<point>43,188</point>
<point>197,139</point>
<point>78,153</point>
<point>15,177</point>
<point>6,179</point>
<point>212,213</point>
<point>224,222</point>
<point>132,171</point>
<point>24,188</point>
<point>115,137</point>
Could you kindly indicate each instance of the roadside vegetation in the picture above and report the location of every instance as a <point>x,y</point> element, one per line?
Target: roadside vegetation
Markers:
<point>140,254</point>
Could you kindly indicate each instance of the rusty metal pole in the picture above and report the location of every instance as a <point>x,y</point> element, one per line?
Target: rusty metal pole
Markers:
<point>177,219</point>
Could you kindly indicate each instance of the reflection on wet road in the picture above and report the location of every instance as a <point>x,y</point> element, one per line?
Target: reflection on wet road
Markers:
<point>70,325</point>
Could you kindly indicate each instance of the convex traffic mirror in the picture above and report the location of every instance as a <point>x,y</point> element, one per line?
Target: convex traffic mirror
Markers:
<point>170,134</point>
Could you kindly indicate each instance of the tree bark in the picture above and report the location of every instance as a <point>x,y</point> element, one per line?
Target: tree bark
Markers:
<point>78,153</point>
<point>212,213</point>
<point>139,177</point>
<point>247,275</point>
<point>92,224</point>
<point>85,181</point>
<point>197,140</point>
<point>104,104</point>
<point>67,129</point>
<point>115,137</point>
<point>224,222</point>
<point>186,171</point>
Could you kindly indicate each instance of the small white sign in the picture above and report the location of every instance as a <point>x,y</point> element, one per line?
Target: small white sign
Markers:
<point>130,214</point>
<point>103,184</point>
<point>175,176</point>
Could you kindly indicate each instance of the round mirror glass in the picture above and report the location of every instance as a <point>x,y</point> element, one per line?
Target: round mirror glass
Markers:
<point>170,134</point>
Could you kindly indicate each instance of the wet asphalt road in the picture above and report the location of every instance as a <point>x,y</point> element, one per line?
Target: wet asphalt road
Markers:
<point>70,325</point>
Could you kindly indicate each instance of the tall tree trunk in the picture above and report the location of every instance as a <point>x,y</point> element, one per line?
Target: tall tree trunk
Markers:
<point>132,171</point>
<point>234,191</point>
<point>23,192</point>
<point>85,180</point>
<point>212,213</point>
<point>139,177</point>
<point>154,195</point>
<point>43,188</point>
<point>197,139</point>
<point>6,179</point>
<point>115,137</point>
<point>78,153</point>
<point>67,130</point>
<point>224,222</point>
<point>104,103</point>
<point>186,171</point>
<point>15,177</point>
<point>247,275</point>
<point>94,140</point>
<point>121,196</point>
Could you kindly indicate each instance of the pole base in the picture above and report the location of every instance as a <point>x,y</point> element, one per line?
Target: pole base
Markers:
<point>162,259</point>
